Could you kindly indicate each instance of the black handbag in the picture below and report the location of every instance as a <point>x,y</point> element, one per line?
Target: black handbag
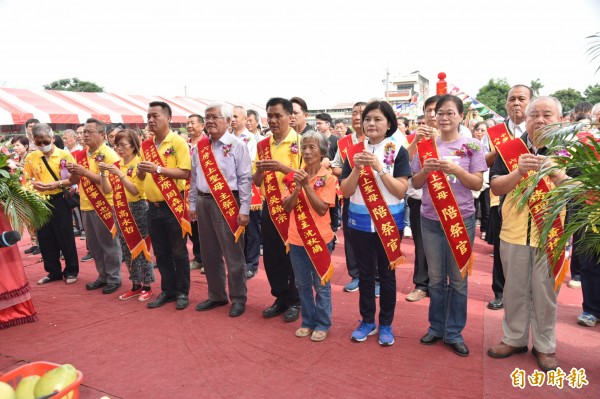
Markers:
<point>70,195</point>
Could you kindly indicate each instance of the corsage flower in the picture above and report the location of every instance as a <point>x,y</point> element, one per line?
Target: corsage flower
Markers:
<point>320,182</point>
<point>170,151</point>
<point>466,150</point>
<point>227,149</point>
<point>389,154</point>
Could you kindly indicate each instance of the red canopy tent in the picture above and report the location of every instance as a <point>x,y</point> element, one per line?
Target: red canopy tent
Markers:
<point>65,109</point>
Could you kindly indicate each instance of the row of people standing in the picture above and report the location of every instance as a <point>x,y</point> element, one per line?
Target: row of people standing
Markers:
<point>450,162</point>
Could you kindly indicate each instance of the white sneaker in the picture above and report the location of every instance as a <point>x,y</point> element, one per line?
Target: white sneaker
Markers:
<point>574,284</point>
<point>416,295</point>
<point>407,231</point>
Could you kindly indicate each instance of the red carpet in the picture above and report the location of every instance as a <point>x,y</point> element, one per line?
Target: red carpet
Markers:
<point>128,351</point>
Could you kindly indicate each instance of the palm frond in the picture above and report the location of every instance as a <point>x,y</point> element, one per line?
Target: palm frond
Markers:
<point>21,207</point>
<point>582,193</point>
<point>594,50</point>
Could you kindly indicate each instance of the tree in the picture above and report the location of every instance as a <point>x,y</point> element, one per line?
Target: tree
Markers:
<point>568,98</point>
<point>536,85</point>
<point>592,94</point>
<point>493,94</point>
<point>74,84</point>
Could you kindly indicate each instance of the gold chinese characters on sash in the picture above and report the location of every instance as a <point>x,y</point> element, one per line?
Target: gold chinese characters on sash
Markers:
<point>499,134</point>
<point>510,153</point>
<point>378,210</point>
<point>313,241</point>
<point>168,187</point>
<point>218,187</point>
<point>129,228</point>
<point>97,199</point>
<point>446,207</point>
<point>280,218</point>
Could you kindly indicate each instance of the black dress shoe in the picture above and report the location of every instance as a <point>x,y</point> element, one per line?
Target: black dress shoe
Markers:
<point>182,302</point>
<point>250,274</point>
<point>459,348</point>
<point>429,339</point>
<point>36,251</point>
<point>110,288</point>
<point>292,314</point>
<point>237,309</point>
<point>274,310</point>
<point>31,249</point>
<point>208,305</point>
<point>496,304</point>
<point>162,298</point>
<point>95,285</point>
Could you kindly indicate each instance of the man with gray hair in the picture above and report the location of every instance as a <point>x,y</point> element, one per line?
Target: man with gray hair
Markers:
<point>47,169</point>
<point>96,207</point>
<point>529,295</point>
<point>70,139</point>
<point>220,198</point>
<point>253,124</point>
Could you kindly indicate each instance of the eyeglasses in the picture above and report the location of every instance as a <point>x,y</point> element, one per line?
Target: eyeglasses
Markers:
<point>212,117</point>
<point>449,114</point>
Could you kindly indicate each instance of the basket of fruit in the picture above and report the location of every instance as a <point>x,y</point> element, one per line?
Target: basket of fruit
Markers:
<point>41,380</point>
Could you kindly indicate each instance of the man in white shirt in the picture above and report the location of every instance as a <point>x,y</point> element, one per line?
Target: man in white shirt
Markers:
<point>252,236</point>
<point>195,129</point>
<point>70,139</point>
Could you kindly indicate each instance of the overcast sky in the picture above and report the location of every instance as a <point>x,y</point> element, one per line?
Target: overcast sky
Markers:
<point>325,51</point>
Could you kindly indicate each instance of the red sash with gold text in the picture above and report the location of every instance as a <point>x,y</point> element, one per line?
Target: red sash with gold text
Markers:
<point>344,144</point>
<point>313,241</point>
<point>256,203</point>
<point>273,194</point>
<point>510,153</point>
<point>168,187</point>
<point>218,186</point>
<point>378,210</point>
<point>446,207</point>
<point>97,199</point>
<point>499,134</point>
<point>129,228</point>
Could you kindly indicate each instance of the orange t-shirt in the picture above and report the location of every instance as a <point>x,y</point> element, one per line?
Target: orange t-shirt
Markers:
<point>327,193</point>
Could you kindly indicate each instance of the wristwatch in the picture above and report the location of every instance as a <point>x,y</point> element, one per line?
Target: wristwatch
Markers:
<point>158,170</point>
<point>383,171</point>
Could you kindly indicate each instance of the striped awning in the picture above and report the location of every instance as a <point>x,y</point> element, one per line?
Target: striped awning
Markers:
<point>66,107</point>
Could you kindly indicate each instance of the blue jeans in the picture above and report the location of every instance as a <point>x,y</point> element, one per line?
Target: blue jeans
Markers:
<point>316,308</point>
<point>447,289</point>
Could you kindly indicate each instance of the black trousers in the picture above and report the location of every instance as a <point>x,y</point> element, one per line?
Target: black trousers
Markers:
<point>278,265</point>
<point>420,273</point>
<point>170,250</point>
<point>576,262</point>
<point>371,249</point>
<point>493,235</point>
<point>56,236</point>
<point>252,244</point>
<point>351,263</point>
<point>483,203</point>
<point>195,239</point>
<point>590,284</point>
<point>334,214</point>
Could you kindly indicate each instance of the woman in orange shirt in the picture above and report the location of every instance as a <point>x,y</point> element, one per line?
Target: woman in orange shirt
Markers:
<point>317,186</point>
